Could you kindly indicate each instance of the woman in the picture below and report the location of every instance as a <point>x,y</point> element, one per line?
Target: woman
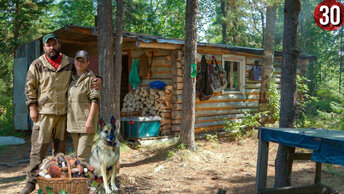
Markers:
<point>82,113</point>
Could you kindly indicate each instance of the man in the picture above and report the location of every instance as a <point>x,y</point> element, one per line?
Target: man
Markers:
<point>47,82</point>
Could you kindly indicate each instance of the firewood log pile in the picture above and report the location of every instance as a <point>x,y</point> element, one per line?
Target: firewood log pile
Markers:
<point>151,102</point>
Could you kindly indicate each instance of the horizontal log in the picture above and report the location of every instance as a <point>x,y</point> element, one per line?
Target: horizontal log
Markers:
<point>176,121</point>
<point>226,100</point>
<point>161,69</point>
<point>176,107</point>
<point>177,99</point>
<point>211,120</point>
<point>252,86</point>
<point>156,45</point>
<point>161,75</point>
<point>220,117</point>
<point>145,82</point>
<point>177,92</point>
<point>157,52</point>
<point>209,124</point>
<point>201,113</point>
<point>176,128</point>
<point>176,114</point>
<point>218,57</point>
<point>227,105</point>
<point>178,86</point>
<point>251,60</point>
<point>198,129</point>
<point>177,79</point>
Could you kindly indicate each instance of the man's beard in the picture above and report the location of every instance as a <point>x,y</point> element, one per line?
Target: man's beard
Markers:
<point>54,55</point>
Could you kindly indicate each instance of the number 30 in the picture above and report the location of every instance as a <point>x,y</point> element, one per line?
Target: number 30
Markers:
<point>334,20</point>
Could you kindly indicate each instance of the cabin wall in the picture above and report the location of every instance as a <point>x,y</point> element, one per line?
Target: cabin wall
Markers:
<point>213,113</point>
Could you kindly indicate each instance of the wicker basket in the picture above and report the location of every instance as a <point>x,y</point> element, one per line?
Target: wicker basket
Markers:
<point>70,185</point>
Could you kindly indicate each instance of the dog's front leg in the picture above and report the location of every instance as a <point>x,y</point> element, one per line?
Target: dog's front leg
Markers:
<point>105,179</point>
<point>113,178</point>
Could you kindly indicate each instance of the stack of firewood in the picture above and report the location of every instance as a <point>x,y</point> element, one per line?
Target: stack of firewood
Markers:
<point>151,102</point>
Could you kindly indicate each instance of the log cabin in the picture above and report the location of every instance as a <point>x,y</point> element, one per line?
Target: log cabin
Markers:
<point>166,57</point>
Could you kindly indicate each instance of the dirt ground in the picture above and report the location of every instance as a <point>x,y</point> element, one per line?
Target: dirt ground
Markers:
<point>161,168</point>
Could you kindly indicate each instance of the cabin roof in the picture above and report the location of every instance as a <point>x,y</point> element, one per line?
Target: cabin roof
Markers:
<point>84,35</point>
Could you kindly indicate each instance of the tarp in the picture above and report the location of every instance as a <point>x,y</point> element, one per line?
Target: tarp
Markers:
<point>327,145</point>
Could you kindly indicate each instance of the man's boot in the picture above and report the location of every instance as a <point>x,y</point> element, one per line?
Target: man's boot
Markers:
<point>29,187</point>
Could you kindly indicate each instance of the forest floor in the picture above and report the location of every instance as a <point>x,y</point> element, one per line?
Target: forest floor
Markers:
<point>218,164</point>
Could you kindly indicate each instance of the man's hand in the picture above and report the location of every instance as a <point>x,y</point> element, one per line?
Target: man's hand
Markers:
<point>96,83</point>
<point>88,126</point>
<point>33,112</point>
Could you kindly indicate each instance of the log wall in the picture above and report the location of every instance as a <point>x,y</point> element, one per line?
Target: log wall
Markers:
<point>211,114</point>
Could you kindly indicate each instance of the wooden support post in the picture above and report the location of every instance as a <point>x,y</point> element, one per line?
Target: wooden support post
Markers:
<point>262,164</point>
<point>317,179</point>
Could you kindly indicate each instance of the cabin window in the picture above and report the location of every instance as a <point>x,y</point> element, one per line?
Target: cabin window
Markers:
<point>235,73</point>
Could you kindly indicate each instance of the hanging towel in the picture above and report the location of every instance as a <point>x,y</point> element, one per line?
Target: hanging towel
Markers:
<point>134,78</point>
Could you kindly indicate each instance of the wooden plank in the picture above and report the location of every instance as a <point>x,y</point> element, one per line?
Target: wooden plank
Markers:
<point>262,164</point>
<point>209,124</point>
<point>227,100</point>
<point>229,116</point>
<point>225,105</point>
<point>252,86</point>
<point>309,189</point>
<point>161,75</point>
<point>161,69</point>
<point>156,45</point>
<point>224,97</point>
<point>300,156</point>
<point>147,81</point>
<point>198,129</point>
<point>222,112</point>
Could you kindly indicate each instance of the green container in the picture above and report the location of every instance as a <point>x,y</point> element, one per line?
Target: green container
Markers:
<point>136,127</point>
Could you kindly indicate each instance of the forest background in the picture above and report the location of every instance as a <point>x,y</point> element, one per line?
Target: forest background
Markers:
<point>244,20</point>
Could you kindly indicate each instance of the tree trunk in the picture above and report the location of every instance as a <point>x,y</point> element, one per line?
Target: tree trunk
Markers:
<point>263,26</point>
<point>288,88</point>
<point>118,57</point>
<point>268,58</point>
<point>341,61</point>
<point>224,26</point>
<point>105,52</point>
<point>187,135</point>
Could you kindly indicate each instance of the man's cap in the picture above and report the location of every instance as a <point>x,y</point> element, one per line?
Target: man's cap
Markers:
<point>83,54</point>
<point>49,36</point>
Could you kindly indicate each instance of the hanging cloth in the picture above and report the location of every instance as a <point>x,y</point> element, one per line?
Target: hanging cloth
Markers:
<point>134,78</point>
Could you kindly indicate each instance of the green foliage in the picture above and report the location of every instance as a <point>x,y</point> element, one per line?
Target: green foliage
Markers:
<point>212,137</point>
<point>252,120</point>
<point>75,12</point>
<point>273,97</point>
<point>246,125</point>
<point>173,151</point>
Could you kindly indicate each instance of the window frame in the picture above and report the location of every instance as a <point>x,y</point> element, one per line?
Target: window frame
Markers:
<point>241,60</point>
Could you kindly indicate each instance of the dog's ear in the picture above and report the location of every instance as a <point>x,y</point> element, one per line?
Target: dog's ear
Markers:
<point>101,123</point>
<point>113,122</point>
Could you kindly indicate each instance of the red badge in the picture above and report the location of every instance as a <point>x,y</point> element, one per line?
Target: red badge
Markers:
<point>329,15</point>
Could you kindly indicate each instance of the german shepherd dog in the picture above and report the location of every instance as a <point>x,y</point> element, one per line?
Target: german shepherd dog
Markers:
<point>105,155</point>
